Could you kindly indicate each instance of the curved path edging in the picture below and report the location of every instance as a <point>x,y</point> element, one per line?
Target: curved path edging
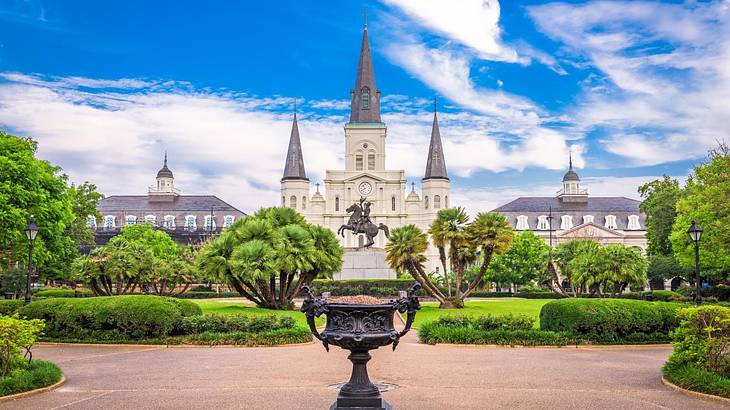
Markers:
<point>693,393</point>
<point>33,392</point>
<point>170,346</point>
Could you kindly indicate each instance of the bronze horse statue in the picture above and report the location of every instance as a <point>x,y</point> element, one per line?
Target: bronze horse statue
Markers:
<point>359,223</point>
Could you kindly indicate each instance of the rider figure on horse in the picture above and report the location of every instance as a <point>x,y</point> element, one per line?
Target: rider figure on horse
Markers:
<point>365,219</point>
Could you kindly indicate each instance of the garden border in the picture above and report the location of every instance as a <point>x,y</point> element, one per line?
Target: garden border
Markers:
<point>169,346</point>
<point>33,392</point>
<point>693,393</point>
<point>569,346</point>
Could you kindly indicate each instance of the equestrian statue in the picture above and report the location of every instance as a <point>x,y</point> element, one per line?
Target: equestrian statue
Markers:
<point>360,222</point>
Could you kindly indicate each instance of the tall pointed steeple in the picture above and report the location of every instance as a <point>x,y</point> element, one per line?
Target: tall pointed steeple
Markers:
<point>436,163</point>
<point>294,167</point>
<point>365,107</point>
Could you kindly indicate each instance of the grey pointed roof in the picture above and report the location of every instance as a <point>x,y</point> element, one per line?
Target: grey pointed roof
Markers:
<point>365,82</point>
<point>571,175</point>
<point>436,163</point>
<point>164,172</point>
<point>294,167</point>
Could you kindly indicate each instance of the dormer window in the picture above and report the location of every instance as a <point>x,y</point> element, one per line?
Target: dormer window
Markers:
<point>169,222</point>
<point>611,222</point>
<point>190,223</point>
<point>91,221</point>
<point>131,220</point>
<point>150,219</point>
<point>209,223</point>
<point>566,222</point>
<point>543,223</point>
<point>587,219</point>
<point>228,221</point>
<point>110,221</point>
<point>365,98</point>
<point>634,223</point>
<point>522,224</point>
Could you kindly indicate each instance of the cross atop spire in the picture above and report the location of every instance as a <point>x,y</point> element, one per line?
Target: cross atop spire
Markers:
<point>365,106</point>
<point>294,167</point>
<point>435,163</point>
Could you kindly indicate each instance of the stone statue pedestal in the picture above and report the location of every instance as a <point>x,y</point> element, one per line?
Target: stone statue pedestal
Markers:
<point>364,263</point>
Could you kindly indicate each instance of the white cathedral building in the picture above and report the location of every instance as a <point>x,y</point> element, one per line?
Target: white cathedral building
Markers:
<point>365,176</point>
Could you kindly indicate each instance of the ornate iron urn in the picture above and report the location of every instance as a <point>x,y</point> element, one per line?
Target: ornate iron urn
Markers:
<point>360,328</point>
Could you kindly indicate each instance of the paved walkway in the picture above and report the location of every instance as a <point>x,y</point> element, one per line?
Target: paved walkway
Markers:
<point>297,377</point>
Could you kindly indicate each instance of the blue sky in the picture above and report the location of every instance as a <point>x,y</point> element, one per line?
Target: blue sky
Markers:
<point>633,89</point>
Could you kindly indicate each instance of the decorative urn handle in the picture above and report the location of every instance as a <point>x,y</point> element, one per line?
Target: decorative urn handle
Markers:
<point>313,307</point>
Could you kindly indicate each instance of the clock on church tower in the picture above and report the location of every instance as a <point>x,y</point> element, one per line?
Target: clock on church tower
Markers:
<point>365,188</point>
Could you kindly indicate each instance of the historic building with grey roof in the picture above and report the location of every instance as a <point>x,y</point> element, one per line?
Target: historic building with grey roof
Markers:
<point>573,214</point>
<point>187,218</point>
<point>365,175</point>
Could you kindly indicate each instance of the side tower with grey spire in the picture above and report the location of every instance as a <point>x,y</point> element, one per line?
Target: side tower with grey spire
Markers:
<point>294,182</point>
<point>435,183</point>
<point>365,132</point>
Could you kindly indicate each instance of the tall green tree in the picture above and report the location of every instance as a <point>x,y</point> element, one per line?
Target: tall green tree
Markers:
<point>523,263</point>
<point>706,199</point>
<point>30,186</point>
<point>269,256</point>
<point>84,200</point>
<point>659,204</point>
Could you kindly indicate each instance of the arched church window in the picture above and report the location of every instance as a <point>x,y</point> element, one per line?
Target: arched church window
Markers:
<point>392,203</point>
<point>337,204</point>
<point>358,162</point>
<point>436,201</point>
<point>293,202</point>
<point>446,201</point>
<point>425,202</point>
<point>304,203</point>
<point>371,161</point>
<point>283,201</point>
<point>365,96</point>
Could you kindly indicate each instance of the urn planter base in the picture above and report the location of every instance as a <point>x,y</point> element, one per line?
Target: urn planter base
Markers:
<point>360,328</point>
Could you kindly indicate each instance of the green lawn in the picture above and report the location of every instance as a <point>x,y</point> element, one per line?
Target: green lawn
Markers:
<point>239,306</point>
<point>429,310</point>
<point>495,306</point>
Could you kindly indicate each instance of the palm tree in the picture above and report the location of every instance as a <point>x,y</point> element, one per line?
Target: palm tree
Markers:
<point>275,245</point>
<point>448,230</point>
<point>405,252</point>
<point>492,234</point>
<point>624,266</point>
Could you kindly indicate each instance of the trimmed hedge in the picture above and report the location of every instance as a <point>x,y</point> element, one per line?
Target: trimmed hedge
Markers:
<point>371,287</point>
<point>111,317</point>
<point>61,293</point>
<point>39,373</point>
<point>433,333</point>
<point>654,295</point>
<point>213,323</point>
<point>10,306</point>
<point>611,320</point>
<point>297,334</point>
<point>207,295</point>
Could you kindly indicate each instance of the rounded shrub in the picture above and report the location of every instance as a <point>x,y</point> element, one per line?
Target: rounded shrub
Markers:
<point>110,318</point>
<point>10,306</point>
<point>61,293</point>
<point>611,320</point>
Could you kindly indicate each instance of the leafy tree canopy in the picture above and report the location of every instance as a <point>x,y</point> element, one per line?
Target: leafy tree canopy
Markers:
<point>524,262</point>
<point>706,199</point>
<point>659,204</point>
<point>29,186</point>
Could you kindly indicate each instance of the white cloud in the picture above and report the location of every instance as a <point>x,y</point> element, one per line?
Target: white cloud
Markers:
<point>474,23</point>
<point>668,87</point>
<point>233,145</point>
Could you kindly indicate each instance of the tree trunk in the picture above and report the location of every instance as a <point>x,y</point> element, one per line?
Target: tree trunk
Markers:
<point>442,257</point>
<point>482,271</point>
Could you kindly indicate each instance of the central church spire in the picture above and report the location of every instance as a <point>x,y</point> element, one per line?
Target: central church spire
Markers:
<point>365,107</point>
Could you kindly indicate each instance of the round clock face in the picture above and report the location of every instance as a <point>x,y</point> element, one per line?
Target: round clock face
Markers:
<point>365,188</point>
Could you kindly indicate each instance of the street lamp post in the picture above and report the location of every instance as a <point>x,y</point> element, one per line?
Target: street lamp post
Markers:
<point>30,232</point>
<point>695,233</point>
